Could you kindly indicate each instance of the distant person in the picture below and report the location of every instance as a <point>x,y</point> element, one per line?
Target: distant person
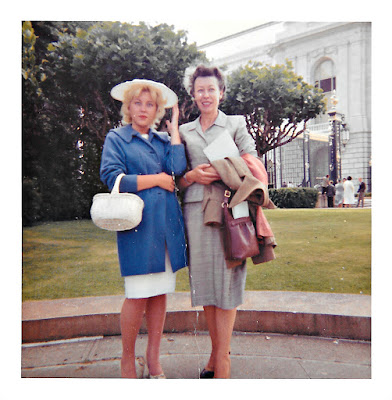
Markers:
<point>324,184</point>
<point>339,193</point>
<point>349,197</point>
<point>361,192</point>
<point>331,191</point>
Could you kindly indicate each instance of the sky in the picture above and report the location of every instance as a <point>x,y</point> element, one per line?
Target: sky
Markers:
<point>204,20</point>
<point>206,31</point>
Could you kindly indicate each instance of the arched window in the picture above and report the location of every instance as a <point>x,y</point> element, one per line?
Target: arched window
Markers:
<point>325,78</point>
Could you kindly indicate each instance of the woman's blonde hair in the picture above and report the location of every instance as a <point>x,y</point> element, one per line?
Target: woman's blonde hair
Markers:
<point>136,90</point>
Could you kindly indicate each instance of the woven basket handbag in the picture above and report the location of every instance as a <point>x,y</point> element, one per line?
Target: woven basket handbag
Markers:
<point>117,211</point>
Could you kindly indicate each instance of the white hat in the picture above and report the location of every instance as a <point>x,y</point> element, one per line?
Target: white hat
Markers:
<point>118,91</point>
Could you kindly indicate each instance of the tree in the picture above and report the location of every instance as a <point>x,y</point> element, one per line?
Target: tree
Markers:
<point>68,112</point>
<point>276,103</point>
<point>32,99</point>
<point>86,65</point>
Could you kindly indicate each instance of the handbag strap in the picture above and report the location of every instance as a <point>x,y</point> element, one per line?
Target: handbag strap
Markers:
<point>226,197</point>
<point>116,187</point>
<point>225,205</point>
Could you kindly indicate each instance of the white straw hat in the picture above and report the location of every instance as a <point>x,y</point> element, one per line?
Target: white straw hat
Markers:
<point>118,91</point>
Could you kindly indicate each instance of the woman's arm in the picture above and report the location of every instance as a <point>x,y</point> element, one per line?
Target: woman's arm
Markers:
<point>173,126</point>
<point>113,164</point>
<point>175,159</point>
<point>203,174</point>
<point>162,180</point>
<point>243,140</point>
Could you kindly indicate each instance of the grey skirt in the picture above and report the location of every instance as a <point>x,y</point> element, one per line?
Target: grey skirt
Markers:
<point>212,283</point>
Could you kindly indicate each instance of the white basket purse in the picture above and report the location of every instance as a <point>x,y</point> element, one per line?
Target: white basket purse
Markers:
<point>117,211</point>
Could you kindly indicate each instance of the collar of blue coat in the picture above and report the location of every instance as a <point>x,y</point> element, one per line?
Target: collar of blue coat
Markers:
<point>127,133</point>
<point>220,121</point>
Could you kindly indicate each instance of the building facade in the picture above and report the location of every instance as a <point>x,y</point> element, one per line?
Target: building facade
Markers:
<point>335,56</point>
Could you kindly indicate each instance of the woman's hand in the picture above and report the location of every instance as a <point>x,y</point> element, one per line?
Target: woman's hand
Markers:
<point>172,126</point>
<point>165,181</point>
<point>162,180</point>
<point>203,174</point>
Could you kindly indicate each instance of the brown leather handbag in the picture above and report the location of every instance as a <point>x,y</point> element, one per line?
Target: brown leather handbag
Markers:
<point>239,235</point>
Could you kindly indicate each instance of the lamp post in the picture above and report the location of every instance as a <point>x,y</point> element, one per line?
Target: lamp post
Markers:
<point>345,133</point>
<point>306,158</point>
<point>334,141</point>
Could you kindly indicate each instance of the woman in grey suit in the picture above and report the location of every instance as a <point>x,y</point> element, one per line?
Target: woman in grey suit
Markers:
<point>213,285</point>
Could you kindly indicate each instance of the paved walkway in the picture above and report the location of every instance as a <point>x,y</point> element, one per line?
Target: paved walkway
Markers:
<point>367,203</point>
<point>183,355</point>
<point>277,335</point>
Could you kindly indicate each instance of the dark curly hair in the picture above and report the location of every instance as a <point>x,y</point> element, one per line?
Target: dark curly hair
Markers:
<point>203,71</point>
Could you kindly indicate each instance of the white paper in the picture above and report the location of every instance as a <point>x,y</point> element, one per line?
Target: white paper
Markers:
<point>241,210</point>
<point>224,146</point>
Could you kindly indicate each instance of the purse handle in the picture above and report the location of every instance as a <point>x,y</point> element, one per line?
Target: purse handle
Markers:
<point>116,187</point>
<point>226,198</point>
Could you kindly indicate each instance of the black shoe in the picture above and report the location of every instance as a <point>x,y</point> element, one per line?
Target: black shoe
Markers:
<point>206,374</point>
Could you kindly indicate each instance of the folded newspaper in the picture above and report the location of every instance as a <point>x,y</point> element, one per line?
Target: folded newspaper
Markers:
<point>224,146</point>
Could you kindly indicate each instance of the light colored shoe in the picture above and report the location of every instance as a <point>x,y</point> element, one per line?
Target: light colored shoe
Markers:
<point>148,376</point>
<point>140,366</point>
<point>161,376</point>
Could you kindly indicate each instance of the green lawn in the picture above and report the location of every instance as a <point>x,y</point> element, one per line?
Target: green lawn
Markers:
<point>319,250</point>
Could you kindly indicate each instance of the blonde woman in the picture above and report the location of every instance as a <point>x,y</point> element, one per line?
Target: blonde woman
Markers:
<point>152,253</point>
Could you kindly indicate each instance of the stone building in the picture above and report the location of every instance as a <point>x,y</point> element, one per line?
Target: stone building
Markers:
<point>335,56</point>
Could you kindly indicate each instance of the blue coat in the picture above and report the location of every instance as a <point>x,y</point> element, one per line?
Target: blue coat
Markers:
<point>142,250</point>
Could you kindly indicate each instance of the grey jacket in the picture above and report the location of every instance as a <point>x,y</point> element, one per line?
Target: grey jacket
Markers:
<point>195,141</point>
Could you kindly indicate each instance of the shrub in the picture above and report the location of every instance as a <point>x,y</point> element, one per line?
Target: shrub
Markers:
<point>294,197</point>
<point>31,202</point>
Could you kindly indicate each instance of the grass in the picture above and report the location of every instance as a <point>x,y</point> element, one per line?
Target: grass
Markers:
<point>319,250</point>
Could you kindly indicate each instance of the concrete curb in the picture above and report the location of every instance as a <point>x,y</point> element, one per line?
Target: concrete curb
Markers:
<point>342,316</point>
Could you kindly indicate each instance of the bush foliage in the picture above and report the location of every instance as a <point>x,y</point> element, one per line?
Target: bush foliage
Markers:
<point>294,197</point>
<point>68,70</point>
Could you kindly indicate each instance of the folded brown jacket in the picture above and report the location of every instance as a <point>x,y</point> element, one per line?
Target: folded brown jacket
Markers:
<point>236,175</point>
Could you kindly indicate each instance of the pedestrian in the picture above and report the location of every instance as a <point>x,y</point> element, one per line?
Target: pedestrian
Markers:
<point>361,192</point>
<point>339,193</point>
<point>331,191</point>
<point>324,184</point>
<point>214,286</point>
<point>152,253</point>
<point>349,198</point>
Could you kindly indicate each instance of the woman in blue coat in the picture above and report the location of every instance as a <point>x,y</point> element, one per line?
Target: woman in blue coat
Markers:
<point>152,253</point>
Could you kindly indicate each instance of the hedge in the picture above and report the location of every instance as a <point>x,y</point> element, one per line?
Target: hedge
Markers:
<point>294,197</point>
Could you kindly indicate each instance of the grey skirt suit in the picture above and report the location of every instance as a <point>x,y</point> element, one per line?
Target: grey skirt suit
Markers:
<point>212,283</point>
